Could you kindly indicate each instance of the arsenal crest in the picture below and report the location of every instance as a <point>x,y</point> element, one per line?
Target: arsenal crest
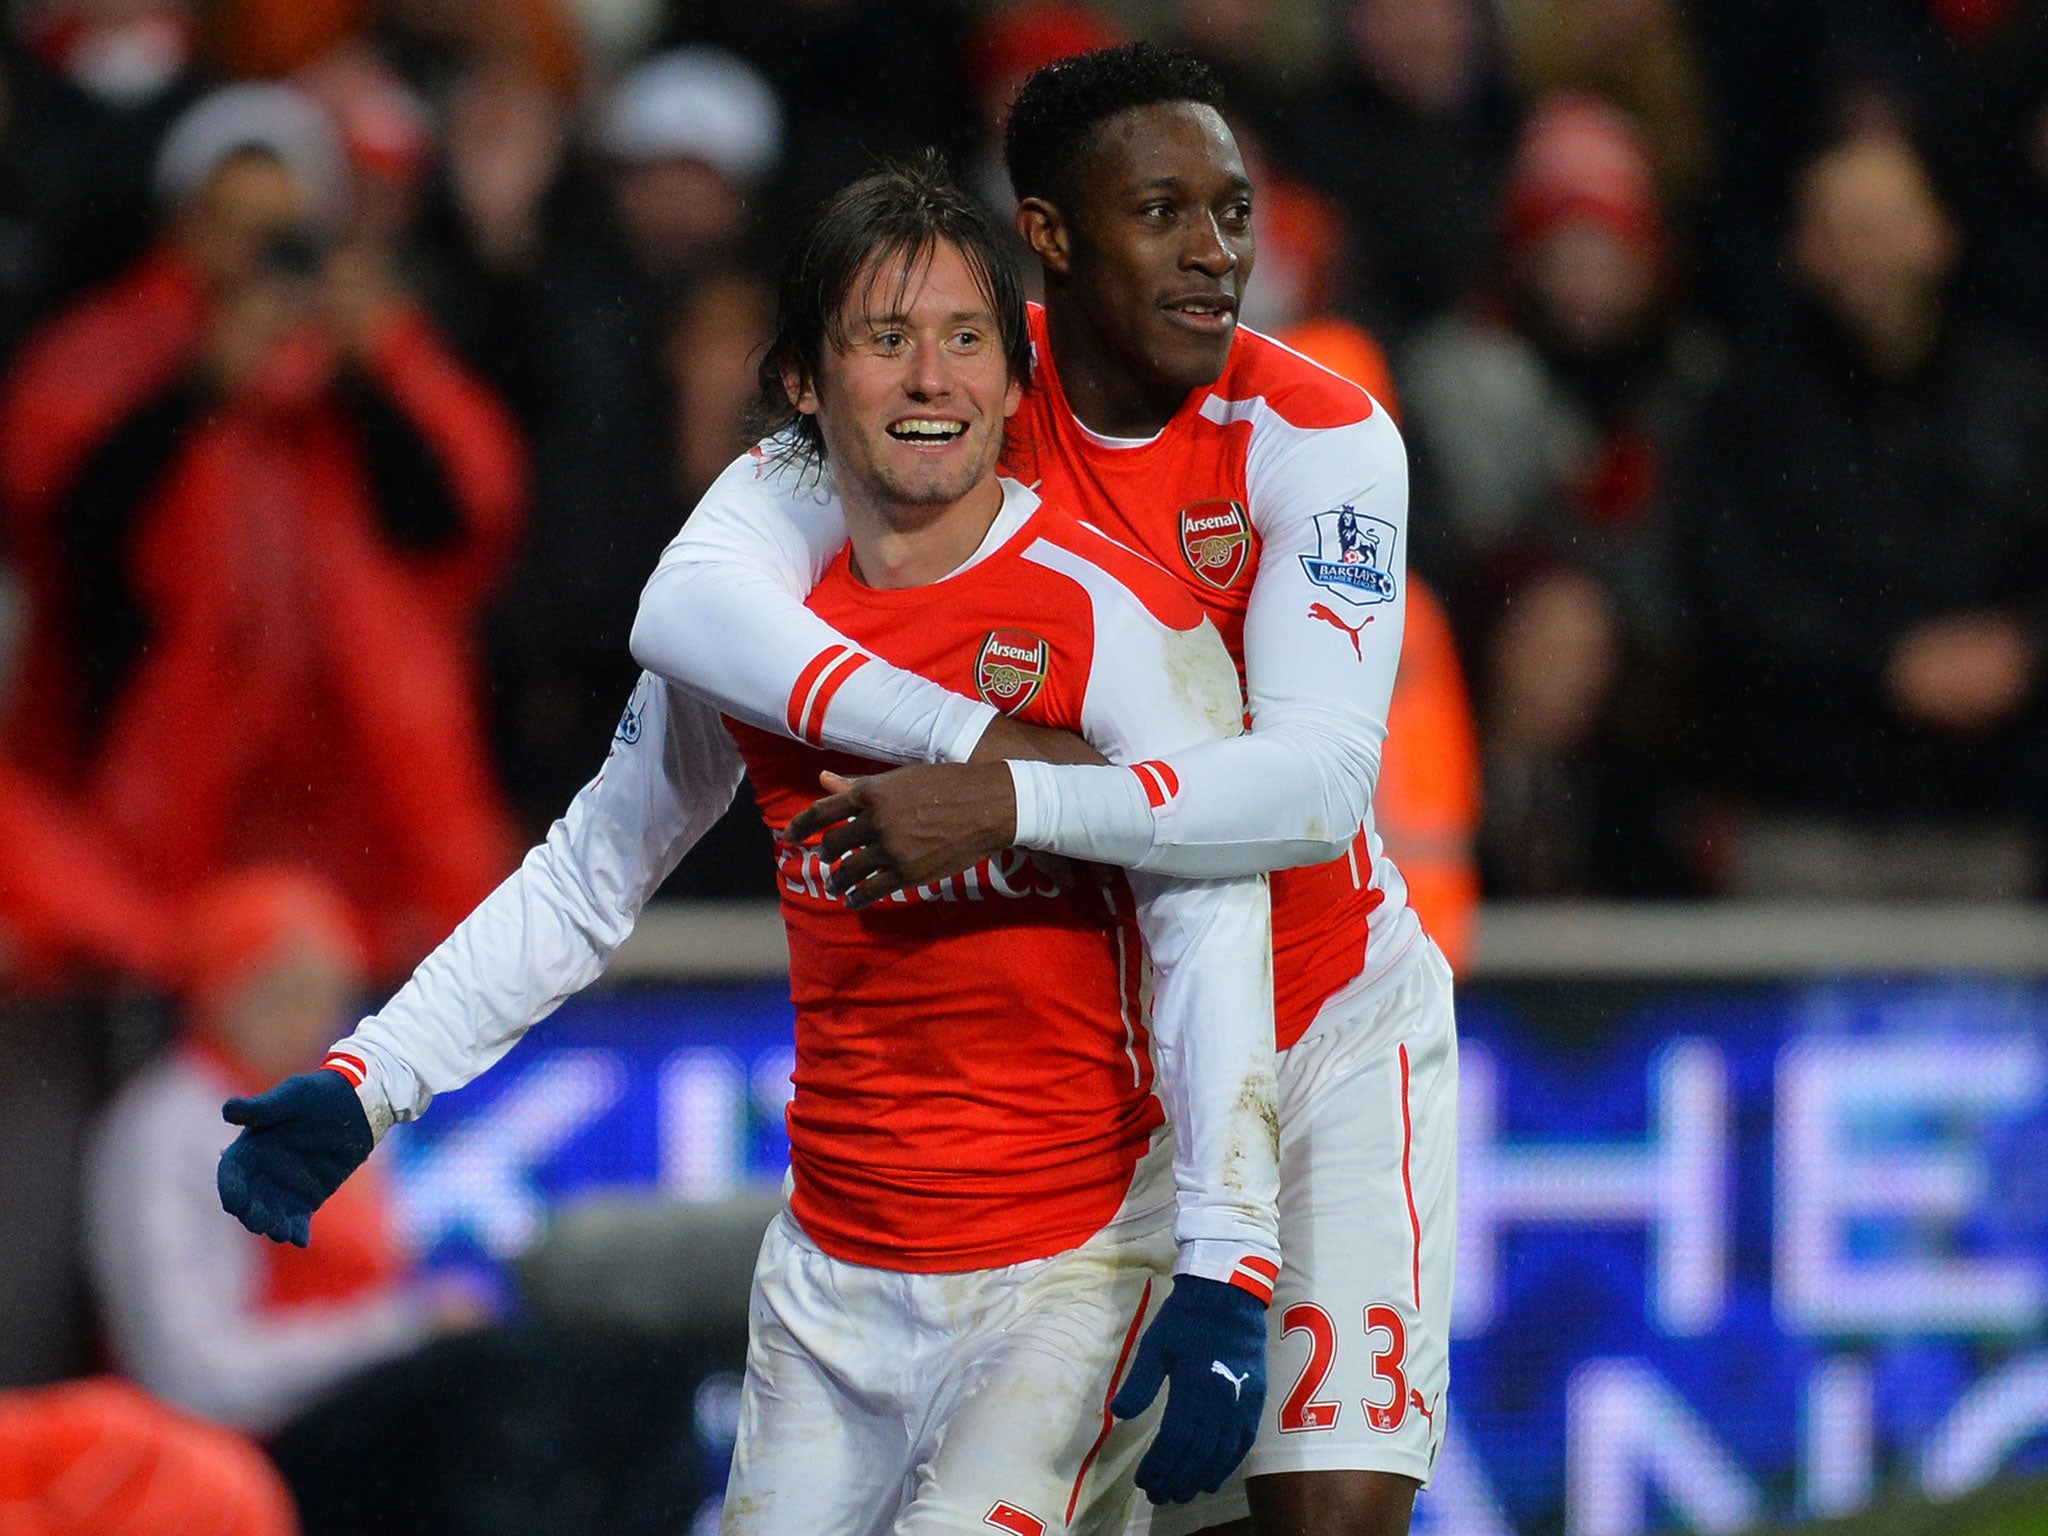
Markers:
<point>1011,668</point>
<point>1216,538</point>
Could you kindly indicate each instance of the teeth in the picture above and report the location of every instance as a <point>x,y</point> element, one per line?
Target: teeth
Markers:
<point>925,430</point>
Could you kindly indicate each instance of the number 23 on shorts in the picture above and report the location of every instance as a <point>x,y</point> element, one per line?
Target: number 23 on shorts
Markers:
<point>1385,1334</point>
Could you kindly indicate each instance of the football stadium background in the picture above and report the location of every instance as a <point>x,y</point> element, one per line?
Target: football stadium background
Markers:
<point>1753,1194</point>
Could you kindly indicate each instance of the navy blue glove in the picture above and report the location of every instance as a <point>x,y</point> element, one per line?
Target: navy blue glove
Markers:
<point>1210,1339</point>
<point>300,1141</point>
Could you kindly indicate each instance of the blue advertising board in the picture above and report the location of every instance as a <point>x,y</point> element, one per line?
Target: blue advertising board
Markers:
<point>1726,1254</point>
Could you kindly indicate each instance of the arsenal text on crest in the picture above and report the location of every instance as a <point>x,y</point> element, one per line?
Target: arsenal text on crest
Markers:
<point>1216,539</point>
<point>1011,668</point>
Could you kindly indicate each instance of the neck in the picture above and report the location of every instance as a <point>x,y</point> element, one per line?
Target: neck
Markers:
<point>1104,393</point>
<point>895,545</point>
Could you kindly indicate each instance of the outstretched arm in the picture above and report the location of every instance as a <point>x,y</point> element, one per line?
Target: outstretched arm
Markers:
<point>542,935</point>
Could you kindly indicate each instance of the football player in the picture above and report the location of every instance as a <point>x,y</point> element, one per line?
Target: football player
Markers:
<point>1277,493</point>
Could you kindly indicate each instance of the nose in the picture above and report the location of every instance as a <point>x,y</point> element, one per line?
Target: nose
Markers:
<point>1208,251</point>
<point>931,373</point>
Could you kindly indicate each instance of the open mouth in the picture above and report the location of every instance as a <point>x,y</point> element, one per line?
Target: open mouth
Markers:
<point>927,431</point>
<point>1207,310</point>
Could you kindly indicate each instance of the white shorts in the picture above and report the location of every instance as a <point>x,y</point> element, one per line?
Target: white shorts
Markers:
<point>878,1401</point>
<point>1359,1358</point>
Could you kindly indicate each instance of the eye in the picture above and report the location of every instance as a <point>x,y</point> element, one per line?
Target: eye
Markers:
<point>967,340</point>
<point>1238,215</point>
<point>890,341</point>
<point>1157,213</point>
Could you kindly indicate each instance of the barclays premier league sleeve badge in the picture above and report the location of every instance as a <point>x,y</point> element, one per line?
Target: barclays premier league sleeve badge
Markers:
<point>628,731</point>
<point>1355,557</point>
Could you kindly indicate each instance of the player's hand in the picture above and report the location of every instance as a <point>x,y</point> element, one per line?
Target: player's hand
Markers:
<point>1209,1343</point>
<point>299,1141</point>
<point>908,827</point>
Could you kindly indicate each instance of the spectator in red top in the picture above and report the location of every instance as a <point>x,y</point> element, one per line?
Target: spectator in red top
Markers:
<point>258,504</point>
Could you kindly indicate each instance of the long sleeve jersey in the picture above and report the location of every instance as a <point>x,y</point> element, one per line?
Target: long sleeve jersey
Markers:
<point>1276,496</point>
<point>975,1079</point>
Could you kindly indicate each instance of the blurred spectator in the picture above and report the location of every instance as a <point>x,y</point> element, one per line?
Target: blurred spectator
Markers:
<point>1426,804</point>
<point>1638,54</point>
<point>1545,421</point>
<point>385,1404</point>
<point>92,1458</point>
<point>207,1316</point>
<point>1869,548</point>
<point>592,282</point>
<point>1410,139</point>
<point>258,505</point>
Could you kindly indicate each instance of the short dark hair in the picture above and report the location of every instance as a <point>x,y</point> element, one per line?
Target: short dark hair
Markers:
<point>902,211</point>
<point>1057,112</point>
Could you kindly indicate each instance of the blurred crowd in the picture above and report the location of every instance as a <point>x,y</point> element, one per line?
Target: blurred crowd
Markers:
<point>360,356</point>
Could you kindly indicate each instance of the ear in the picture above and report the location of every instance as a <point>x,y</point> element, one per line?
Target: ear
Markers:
<point>803,394</point>
<point>1012,398</point>
<point>1045,230</point>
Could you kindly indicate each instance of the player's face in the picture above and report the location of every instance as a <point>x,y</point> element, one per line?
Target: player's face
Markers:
<point>913,399</point>
<point>1161,241</point>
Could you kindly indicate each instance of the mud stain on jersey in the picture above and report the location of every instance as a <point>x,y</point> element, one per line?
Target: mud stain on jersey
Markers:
<point>744,1513</point>
<point>1254,1120</point>
<point>1202,677</point>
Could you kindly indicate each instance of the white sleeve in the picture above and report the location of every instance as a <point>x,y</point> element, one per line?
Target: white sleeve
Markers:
<point>556,921</point>
<point>1322,641</point>
<point>723,615</point>
<point>1155,690</point>
<point>177,1278</point>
